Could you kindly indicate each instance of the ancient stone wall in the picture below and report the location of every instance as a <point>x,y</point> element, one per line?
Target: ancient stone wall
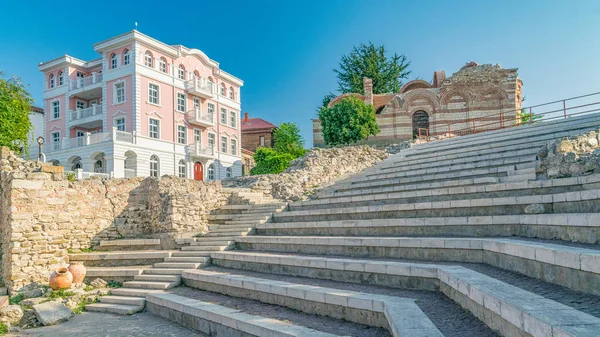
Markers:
<point>571,156</point>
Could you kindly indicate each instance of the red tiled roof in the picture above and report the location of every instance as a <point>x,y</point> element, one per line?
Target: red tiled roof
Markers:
<point>257,124</point>
<point>36,109</point>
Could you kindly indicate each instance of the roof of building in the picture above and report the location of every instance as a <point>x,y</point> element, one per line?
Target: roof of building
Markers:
<point>379,101</point>
<point>254,124</point>
<point>36,109</point>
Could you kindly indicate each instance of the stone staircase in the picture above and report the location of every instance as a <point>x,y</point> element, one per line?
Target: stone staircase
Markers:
<point>465,218</point>
<point>129,258</point>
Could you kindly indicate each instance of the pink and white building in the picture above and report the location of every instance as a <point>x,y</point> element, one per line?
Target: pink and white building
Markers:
<point>144,108</point>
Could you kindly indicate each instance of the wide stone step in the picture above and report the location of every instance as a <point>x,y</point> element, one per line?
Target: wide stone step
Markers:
<point>150,285</point>
<point>111,272</point>
<point>486,297</point>
<point>215,240</point>
<point>225,232</point>
<point>192,253</point>
<point>120,258</point>
<point>376,309</point>
<point>129,244</point>
<point>231,226</point>
<point>218,243</point>
<point>192,259</point>
<point>180,265</point>
<point>119,309</point>
<point>158,278</point>
<point>193,313</point>
<point>164,271</point>
<point>124,300</point>
<point>252,216</point>
<point>573,267</point>
<point>133,292</point>
<point>202,248</point>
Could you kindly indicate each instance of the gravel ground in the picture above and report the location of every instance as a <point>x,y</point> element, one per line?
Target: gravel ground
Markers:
<point>252,307</point>
<point>448,317</point>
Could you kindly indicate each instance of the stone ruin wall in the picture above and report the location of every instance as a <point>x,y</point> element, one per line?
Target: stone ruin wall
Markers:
<point>43,216</point>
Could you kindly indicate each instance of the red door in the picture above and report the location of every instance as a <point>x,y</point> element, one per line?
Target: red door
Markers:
<point>198,171</point>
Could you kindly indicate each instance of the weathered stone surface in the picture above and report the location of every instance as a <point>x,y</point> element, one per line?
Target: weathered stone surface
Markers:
<point>571,156</point>
<point>51,313</point>
<point>534,209</point>
<point>33,293</point>
<point>98,283</point>
<point>11,314</point>
<point>33,301</point>
<point>318,168</point>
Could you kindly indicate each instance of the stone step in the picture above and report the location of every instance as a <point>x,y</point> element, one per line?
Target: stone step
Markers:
<point>120,255</point>
<point>133,292</point>
<point>150,285</point>
<point>244,226</point>
<point>192,259</point>
<point>579,227</point>
<point>164,271</point>
<point>158,278</point>
<point>228,232</point>
<point>202,248</point>
<point>384,311</point>
<point>191,254</point>
<point>129,244</point>
<point>124,300</point>
<point>573,267</point>
<point>251,216</point>
<point>487,298</point>
<point>114,272</point>
<point>180,265</point>
<point>214,240</point>
<point>218,243</point>
<point>194,313</point>
<point>119,309</point>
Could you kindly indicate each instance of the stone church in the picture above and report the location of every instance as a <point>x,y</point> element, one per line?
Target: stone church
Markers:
<point>475,98</point>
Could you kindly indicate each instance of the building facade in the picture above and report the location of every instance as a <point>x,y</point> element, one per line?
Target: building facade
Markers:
<point>256,132</point>
<point>477,97</point>
<point>144,108</point>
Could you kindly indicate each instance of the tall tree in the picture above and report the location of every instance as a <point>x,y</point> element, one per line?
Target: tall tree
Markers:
<point>348,121</point>
<point>287,139</point>
<point>371,61</point>
<point>15,104</point>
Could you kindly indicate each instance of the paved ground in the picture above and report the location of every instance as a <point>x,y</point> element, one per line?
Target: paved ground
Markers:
<point>106,325</point>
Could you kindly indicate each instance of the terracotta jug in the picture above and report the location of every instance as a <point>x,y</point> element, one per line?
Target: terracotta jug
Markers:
<point>61,279</point>
<point>78,271</point>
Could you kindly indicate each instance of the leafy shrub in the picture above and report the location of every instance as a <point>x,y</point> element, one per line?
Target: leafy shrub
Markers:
<point>269,161</point>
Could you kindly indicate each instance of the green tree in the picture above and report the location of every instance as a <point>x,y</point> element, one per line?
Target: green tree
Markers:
<point>348,121</point>
<point>287,139</point>
<point>371,61</point>
<point>325,101</point>
<point>269,161</point>
<point>15,104</point>
<point>528,117</point>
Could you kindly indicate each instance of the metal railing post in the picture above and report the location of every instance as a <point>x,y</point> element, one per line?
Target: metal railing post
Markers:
<point>530,116</point>
<point>565,108</point>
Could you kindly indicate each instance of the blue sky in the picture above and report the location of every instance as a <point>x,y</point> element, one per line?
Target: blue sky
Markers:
<point>285,50</point>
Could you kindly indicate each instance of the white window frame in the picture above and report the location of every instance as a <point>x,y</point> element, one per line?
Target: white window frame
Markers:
<point>181,102</point>
<point>116,93</point>
<point>210,109</point>
<point>151,132</point>
<point>52,80</point>
<point>212,136</point>
<point>233,146</point>
<point>55,140</point>
<point>84,104</point>
<point>231,93</point>
<point>181,72</point>
<point>151,99</point>
<point>222,90</point>
<point>229,172</point>
<point>126,56</point>
<point>162,65</point>
<point>181,134</point>
<point>232,119</point>
<point>211,172</point>
<point>154,171</point>
<point>118,126</point>
<point>224,149</point>
<point>113,61</point>
<point>61,78</point>
<point>223,116</point>
<point>261,140</point>
<point>198,136</point>
<point>148,59</point>
<point>182,168</point>
<point>55,109</point>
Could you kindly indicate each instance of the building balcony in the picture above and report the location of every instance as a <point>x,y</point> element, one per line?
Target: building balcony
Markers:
<point>202,151</point>
<point>197,87</point>
<point>196,116</point>
<point>89,87</point>
<point>89,139</point>
<point>87,115</point>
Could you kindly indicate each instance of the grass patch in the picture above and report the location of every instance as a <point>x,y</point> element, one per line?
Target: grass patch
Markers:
<point>16,299</point>
<point>81,306</point>
<point>3,328</point>
<point>81,250</point>
<point>88,287</point>
<point>114,284</point>
<point>60,294</point>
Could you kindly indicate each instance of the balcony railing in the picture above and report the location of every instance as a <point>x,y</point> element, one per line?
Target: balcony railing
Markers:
<point>90,139</point>
<point>94,110</point>
<point>198,87</point>
<point>196,116</point>
<point>82,82</point>
<point>205,151</point>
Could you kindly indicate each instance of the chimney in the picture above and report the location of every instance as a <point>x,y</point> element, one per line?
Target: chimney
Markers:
<point>368,87</point>
<point>245,117</point>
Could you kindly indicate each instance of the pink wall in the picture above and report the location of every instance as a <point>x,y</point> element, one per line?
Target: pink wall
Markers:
<point>127,107</point>
<point>165,109</point>
<point>121,57</point>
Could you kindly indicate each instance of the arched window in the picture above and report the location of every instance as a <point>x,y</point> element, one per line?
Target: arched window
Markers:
<point>210,83</point>
<point>60,78</point>
<point>231,92</point>
<point>51,80</point>
<point>154,166</point>
<point>126,57</point>
<point>196,74</point>
<point>228,172</point>
<point>420,124</point>
<point>182,169</point>
<point>113,61</point>
<point>76,165</point>
<point>223,89</point>
<point>148,59</point>
<point>99,166</point>
<point>162,65</point>
<point>181,72</point>
<point>211,172</point>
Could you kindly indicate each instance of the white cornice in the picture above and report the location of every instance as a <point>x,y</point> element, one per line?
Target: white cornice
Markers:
<point>119,112</point>
<point>154,113</point>
<point>228,77</point>
<point>67,60</point>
